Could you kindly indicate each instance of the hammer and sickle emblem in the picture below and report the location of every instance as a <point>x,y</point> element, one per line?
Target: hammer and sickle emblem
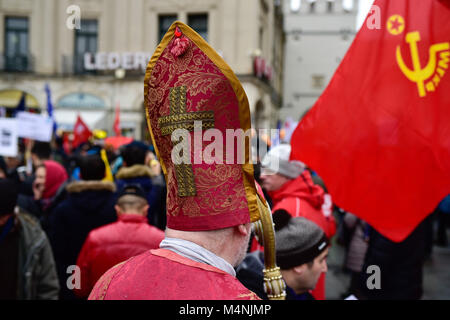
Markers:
<point>419,74</point>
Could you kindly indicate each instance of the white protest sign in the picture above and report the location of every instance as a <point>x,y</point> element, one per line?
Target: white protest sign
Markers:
<point>8,137</point>
<point>34,126</point>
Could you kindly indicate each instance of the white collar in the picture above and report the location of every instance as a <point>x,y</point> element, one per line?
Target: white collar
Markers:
<point>197,253</point>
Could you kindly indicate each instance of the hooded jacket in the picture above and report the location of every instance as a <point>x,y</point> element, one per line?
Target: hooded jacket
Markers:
<point>55,176</point>
<point>54,192</point>
<point>300,197</point>
<point>89,205</point>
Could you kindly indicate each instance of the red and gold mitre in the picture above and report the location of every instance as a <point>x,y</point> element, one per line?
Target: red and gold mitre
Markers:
<point>187,81</point>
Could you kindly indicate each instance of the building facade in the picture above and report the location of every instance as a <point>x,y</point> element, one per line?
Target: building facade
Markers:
<point>93,54</point>
<point>318,34</point>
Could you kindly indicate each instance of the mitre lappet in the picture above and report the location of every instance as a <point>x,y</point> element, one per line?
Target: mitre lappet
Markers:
<point>193,101</point>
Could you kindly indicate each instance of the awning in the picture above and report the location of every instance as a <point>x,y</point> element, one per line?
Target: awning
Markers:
<point>10,99</point>
<point>66,118</point>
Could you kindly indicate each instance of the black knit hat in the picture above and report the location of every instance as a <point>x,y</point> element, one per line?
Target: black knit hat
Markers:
<point>298,240</point>
<point>9,191</point>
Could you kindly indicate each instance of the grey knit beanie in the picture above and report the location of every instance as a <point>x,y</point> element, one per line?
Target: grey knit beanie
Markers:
<point>277,160</point>
<point>298,240</point>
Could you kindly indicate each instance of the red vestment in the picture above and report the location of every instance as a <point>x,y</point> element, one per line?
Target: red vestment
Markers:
<point>164,275</point>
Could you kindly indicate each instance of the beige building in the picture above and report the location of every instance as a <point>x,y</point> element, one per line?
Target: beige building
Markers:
<point>318,34</point>
<point>93,54</point>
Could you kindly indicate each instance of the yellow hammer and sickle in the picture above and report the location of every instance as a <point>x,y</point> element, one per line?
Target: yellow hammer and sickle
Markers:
<point>418,74</point>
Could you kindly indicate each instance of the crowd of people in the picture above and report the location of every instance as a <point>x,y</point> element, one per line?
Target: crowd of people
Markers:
<point>67,213</point>
<point>48,215</point>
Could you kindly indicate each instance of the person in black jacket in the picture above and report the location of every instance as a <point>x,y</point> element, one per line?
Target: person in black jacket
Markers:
<point>27,267</point>
<point>400,266</point>
<point>89,205</point>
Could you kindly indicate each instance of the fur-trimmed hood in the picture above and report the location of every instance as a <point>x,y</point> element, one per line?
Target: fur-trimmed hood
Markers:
<point>94,185</point>
<point>138,170</point>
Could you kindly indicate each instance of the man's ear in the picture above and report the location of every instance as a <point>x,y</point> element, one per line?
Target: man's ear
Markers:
<point>118,209</point>
<point>244,229</point>
<point>144,210</point>
<point>299,269</point>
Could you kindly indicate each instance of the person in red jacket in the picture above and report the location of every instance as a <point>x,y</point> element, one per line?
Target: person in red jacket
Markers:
<point>111,244</point>
<point>291,189</point>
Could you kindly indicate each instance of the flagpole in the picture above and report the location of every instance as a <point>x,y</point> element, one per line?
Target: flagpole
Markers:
<point>119,74</point>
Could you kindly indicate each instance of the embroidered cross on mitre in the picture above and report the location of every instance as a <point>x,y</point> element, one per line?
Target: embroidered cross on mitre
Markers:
<point>179,118</point>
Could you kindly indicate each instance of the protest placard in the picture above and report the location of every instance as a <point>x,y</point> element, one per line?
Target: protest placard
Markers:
<point>8,137</point>
<point>34,126</point>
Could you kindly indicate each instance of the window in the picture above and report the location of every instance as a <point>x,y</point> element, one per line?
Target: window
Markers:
<point>347,5</point>
<point>330,6</point>
<point>260,38</point>
<point>81,100</point>
<point>199,22</point>
<point>86,39</point>
<point>312,6</point>
<point>295,5</point>
<point>164,22</point>
<point>318,81</point>
<point>345,34</point>
<point>16,44</point>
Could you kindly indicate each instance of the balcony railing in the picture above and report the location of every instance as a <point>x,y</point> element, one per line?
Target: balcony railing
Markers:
<point>17,63</point>
<point>74,65</point>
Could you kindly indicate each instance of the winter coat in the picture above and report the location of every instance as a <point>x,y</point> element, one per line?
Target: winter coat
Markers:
<point>154,186</point>
<point>302,198</point>
<point>358,245</point>
<point>42,209</point>
<point>37,277</point>
<point>400,265</point>
<point>89,205</point>
<point>111,244</point>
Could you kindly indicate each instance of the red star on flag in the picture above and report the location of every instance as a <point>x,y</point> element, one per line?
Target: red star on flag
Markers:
<point>396,24</point>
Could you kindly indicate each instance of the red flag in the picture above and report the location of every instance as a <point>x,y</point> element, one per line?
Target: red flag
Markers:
<point>379,135</point>
<point>66,144</point>
<point>117,121</point>
<point>81,132</point>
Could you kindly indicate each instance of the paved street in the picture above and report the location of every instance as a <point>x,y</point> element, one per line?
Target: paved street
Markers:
<point>437,275</point>
<point>436,281</point>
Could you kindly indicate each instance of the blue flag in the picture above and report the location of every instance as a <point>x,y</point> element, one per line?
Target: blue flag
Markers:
<point>21,105</point>
<point>275,138</point>
<point>50,106</point>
